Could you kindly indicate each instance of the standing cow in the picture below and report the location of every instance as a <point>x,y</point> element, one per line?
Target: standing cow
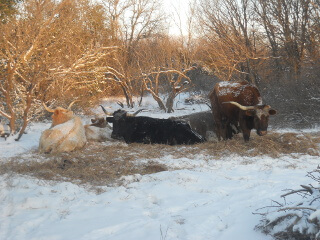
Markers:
<point>239,104</point>
<point>151,130</point>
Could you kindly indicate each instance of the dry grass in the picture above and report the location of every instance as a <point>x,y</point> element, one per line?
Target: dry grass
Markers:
<point>273,145</point>
<point>104,164</point>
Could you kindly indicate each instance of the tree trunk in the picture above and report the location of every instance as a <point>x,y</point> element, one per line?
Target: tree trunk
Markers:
<point>170,100</point>
<point>25,116</point>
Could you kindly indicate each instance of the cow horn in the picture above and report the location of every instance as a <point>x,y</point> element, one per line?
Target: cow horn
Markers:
<point>241,106</point>
<point>105,111</point>
<point>48,109</point>
<point>135,113</point>
<point>70,105</point>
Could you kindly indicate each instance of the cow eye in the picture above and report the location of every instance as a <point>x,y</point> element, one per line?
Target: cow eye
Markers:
<point>272,112</point>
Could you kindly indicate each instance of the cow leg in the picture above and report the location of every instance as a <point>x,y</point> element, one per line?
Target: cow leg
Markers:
<point>229,131</point>
<point>217,129</point>
<point>224,128</point>
<point>246,135</point>
<point>217,119</point>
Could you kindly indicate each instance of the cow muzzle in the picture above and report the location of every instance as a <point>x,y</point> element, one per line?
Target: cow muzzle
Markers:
<point>261,133</point>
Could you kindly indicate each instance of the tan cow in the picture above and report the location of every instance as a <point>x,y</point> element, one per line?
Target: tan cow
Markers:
<point>66,133</point>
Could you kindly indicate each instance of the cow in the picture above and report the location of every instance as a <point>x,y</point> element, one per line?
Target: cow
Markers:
<point>130,128</point>
<point>200,122</point>
<point>99,129</point>
<point>239,105</point>
<point>66,133</point>
<point>94,133</point>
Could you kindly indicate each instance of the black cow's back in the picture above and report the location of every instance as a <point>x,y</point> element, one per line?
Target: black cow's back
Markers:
<point>153,130</point>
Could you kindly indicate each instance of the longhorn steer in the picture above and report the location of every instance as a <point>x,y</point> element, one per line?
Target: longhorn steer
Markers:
<point>66,133</point>
<point>239,104</point>
<point>151,130</point>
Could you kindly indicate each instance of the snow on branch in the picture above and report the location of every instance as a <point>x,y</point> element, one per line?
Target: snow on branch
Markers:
<point>89,59</point>
<point>297,219</point>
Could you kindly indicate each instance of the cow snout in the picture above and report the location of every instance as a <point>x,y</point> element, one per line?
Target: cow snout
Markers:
<point>262,133</point>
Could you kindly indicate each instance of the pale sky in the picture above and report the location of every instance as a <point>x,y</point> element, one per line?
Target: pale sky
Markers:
<point>178,9</point>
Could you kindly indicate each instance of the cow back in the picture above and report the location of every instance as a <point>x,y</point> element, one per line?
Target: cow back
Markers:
<point>64,137</point>
<point>153,130</point>
<point>241,92</point>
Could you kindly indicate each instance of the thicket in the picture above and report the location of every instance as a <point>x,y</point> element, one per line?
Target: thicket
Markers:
<point>58,51</point>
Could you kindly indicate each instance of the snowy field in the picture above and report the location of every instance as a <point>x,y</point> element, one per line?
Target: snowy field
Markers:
<point>205,199</point>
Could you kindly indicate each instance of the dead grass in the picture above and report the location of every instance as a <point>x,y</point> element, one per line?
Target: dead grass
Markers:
<point>273,145</point>
<point>101,164</point>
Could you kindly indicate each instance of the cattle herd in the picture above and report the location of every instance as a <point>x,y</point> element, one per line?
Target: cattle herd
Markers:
<point>236,107</point>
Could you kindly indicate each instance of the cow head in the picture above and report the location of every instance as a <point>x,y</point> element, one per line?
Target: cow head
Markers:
<point>60,115</point>
<point>260,114</point>
<point>119,121</point>
<point>99,122</point>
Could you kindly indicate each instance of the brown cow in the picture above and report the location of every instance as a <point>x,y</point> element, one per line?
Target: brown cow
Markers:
<point>239,104</point>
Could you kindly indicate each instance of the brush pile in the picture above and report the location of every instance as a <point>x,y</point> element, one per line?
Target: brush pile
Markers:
<point>298,217</point>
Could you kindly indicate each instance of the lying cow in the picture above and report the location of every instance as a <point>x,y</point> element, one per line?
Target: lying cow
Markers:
<point>200,122</point>
<point>239,104</point>
<point>94,133</point>
<point>151,130</point>
<point>99,129</point>
<point>66,133</point>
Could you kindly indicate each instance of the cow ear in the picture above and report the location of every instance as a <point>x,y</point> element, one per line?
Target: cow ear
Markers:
<point>250,112</point>
<point>272,111</point>
<point>109,119</point>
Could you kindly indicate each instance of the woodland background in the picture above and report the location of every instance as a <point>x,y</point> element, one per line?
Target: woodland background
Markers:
<point>59,51</point>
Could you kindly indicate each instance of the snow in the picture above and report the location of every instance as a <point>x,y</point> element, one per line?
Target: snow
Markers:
<point>29,141</point>
<point>206,198</point>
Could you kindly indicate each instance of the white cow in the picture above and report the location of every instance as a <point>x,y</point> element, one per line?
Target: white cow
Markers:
<point>99,129</point>
<point>66,134</point>
<point>94,133</point>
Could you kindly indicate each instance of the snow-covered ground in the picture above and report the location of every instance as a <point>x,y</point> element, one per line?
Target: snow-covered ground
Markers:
<point>207,199</point>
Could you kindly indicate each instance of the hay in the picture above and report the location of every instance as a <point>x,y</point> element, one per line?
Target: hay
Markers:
<point>273,145</point>
<point>103,164</point>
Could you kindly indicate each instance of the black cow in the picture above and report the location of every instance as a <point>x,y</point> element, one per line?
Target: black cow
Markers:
<point>151,130</point>
<point>200,122</point>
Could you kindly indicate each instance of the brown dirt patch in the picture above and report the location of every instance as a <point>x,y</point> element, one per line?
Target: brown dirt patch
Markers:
<point>101,164</point>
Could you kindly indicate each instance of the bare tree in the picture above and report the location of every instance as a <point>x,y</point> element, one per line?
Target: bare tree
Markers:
<point>42,38</point>
<point>286,27</point>
<point>131,22</point>
<point>178,83</point>
<point>21,76</point>
<point>230,36</point>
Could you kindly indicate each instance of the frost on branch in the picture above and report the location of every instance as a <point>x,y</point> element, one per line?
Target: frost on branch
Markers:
<point>298,217</point>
